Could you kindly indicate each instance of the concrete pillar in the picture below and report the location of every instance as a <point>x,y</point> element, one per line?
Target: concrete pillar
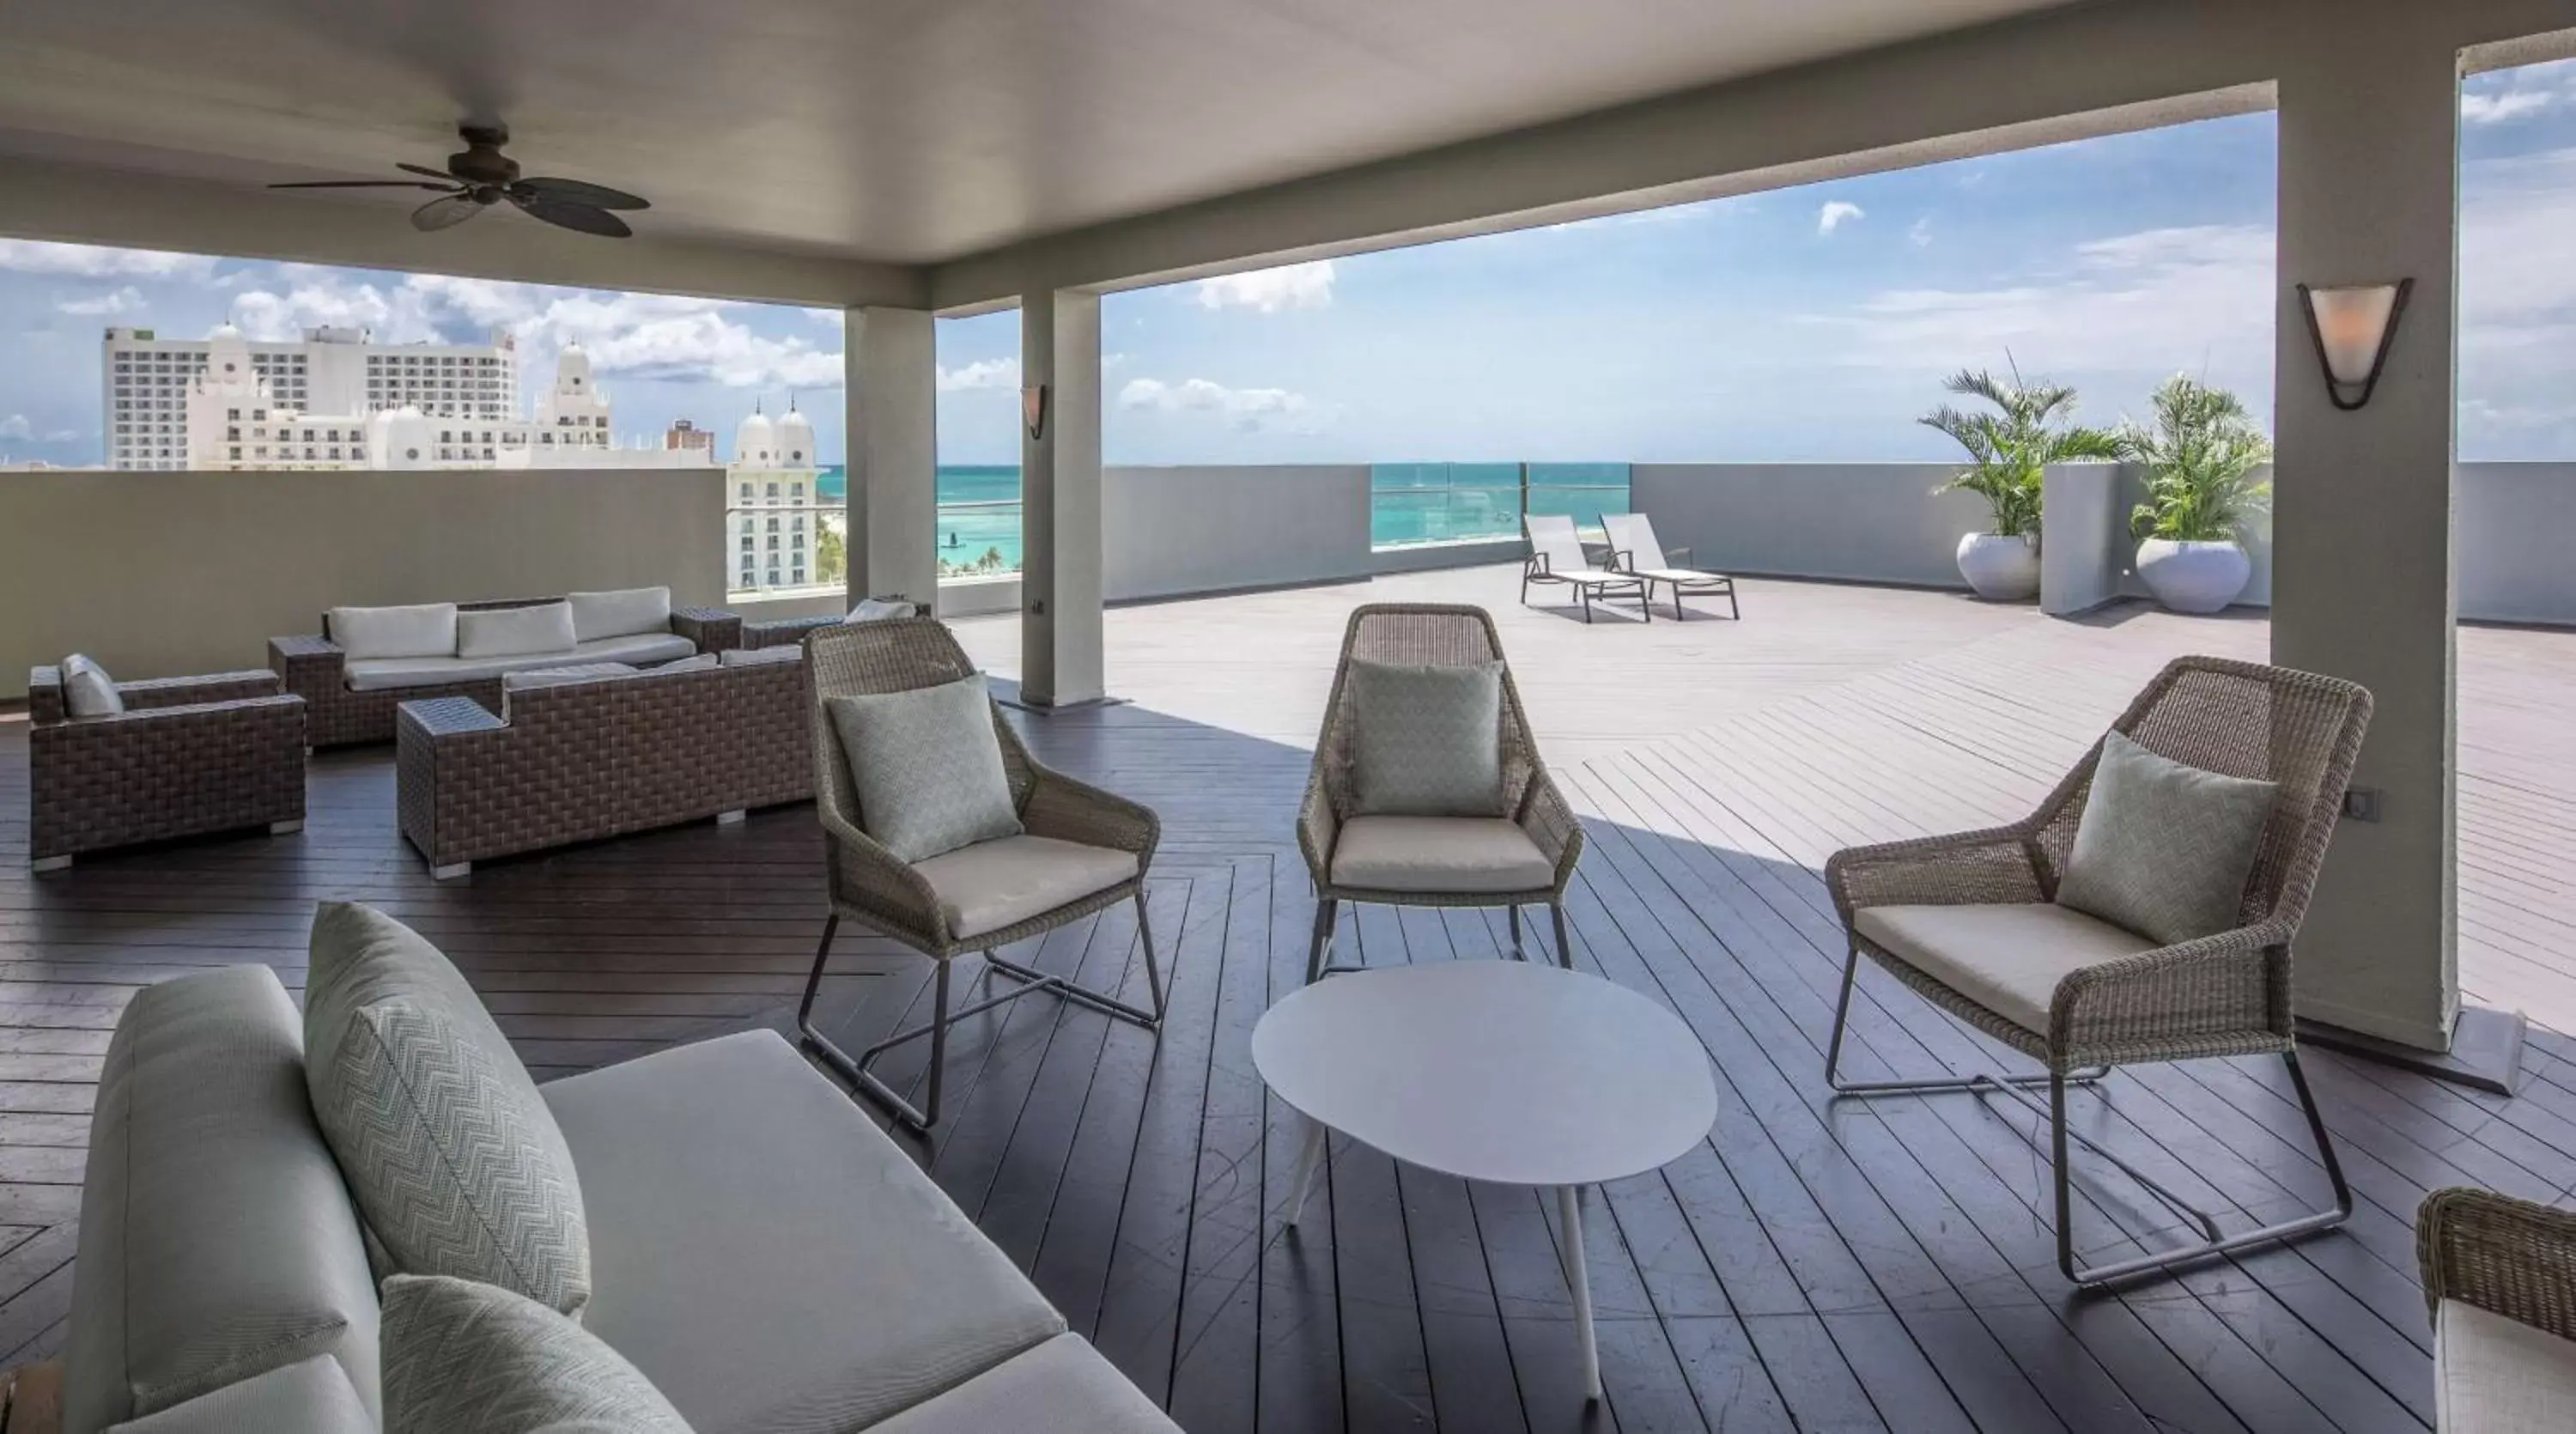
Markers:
<point>2363,582</point>
<point>1060,662</point>
<point>893,396</point>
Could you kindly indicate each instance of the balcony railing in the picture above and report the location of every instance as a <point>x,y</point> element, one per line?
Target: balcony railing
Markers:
<point>1417,503</point>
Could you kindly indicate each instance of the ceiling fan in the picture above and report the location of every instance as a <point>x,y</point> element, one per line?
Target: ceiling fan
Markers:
<point>481,176</point>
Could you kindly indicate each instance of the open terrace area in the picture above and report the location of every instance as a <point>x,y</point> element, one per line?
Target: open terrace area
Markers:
<point>1813,1264</point>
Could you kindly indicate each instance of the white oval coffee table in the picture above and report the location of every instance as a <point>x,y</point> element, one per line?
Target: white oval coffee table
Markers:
<point>1504,1071</point>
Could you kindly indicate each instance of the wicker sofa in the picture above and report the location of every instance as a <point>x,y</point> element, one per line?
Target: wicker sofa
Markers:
<point>187,756</point>
<point>2500,1279</point>
<point>352,702</point>
<point>543,766</point>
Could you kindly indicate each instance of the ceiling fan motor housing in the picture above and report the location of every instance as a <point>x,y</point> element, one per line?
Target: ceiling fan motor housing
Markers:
<point>481,162</point>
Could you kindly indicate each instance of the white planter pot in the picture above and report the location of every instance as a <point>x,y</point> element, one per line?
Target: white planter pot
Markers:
<point>2000,569</point>
<point>2193,577</point>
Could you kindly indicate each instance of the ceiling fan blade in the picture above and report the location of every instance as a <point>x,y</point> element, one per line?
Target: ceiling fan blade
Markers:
<point>365,184</point>
<point>445,213</point>
<point>423,169</point>
<point>589,219</point>
<point>574,191</point>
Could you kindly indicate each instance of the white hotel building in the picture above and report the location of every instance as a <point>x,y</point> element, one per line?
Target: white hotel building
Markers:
<point>146,381</point>
<point>775,518</point>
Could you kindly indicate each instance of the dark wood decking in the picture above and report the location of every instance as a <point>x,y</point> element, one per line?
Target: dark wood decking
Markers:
<point>1814,1265</point>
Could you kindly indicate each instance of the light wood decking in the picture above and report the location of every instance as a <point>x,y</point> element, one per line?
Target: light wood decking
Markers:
<point>1814,1265</point>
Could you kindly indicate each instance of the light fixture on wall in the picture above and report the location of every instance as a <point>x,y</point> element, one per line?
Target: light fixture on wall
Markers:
<point>2353,325</point>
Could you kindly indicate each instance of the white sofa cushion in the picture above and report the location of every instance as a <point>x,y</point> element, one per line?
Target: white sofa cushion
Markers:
<point>702,662</point>
<point>761,656</point>
<point>622,613</point>
<point>461,1356</point>
<point>87,689</point>
<point>313,1396</point>
<point>514,631</point>
<point>1457,855</point>
<point>1003,882</point>
<point>636,647</point>
<point>564,676</point>
<point>421,630</point>
<point>767,1256</point>
<point>2500,1376</point>
<point>2007,959</point>
<point>1063,1387</point>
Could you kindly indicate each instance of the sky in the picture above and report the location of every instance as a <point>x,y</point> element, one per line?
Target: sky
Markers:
<point>1801,324</point>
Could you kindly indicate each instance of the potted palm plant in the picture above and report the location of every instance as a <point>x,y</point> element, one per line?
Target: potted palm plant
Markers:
<point>2200,457</point>
<point>2032,426</point>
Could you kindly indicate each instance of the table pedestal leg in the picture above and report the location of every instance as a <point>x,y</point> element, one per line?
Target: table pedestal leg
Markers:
<point>1569,1213</point>
<point>1309,1160</point>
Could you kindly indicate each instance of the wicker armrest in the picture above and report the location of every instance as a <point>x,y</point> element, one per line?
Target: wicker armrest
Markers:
<point>306,663</point>
<point>1317,829</point>
<point>1551,823</point>
<point>713,629</point>
<point>448,716</point>
<point>1994,866</point>
<point>2164,1004</point>
<point>1069,810</point>
<point>867,876</point>
<point>160,692</point>
<point>2506,1256</point>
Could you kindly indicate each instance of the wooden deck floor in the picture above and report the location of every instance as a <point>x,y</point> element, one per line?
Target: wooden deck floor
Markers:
<point>1814,1265</point>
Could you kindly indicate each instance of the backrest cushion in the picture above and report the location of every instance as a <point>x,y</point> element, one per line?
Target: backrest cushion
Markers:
<point>927,767</point>
<point>515,631</point>
<point>702,662</point>
<point>421,630</point>
<point>313,1396</point>
<point>1426,741</point>
<point>2164,849</point>
<point>217,1241</point>
<point>622,613</point>
<point>455,1160</point>
<point>463,1356</point>
<point>87,689</point>
<point>760,656</point>
<point>565,676</point>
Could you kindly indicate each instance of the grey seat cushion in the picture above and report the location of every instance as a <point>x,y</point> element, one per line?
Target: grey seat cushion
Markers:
<point>2007,959</point>
<point>466,1358</point>
<point>1426,741</point>
<point>313,1396</point>
<point>1435,855</point>
<point>452,1155</point>
<point>927,767</point>
<point>2164,849</point>
<point>217,1241</point>
<point>994,884</point>
<point>767,1256</point>
<point>1063,1387</point>
<point>2500,1376</point>
<point>635,647</point>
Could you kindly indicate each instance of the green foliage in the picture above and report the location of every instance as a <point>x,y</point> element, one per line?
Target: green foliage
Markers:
<point>831,556</point>
<point>990,564</point>
<point>2032,427</point>
<point>2200,458</point>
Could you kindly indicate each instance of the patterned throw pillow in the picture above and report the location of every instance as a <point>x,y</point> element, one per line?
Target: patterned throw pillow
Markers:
<point>1426,741</point>
<point>453,1157</point>
<point>87,689</point>
<point>2164,849</point>
<point>463,1358</point>
<point>927,767</point>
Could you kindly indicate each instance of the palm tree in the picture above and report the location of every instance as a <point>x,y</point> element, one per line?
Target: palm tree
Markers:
<point>2007,449</point>
<point>2200,458</point>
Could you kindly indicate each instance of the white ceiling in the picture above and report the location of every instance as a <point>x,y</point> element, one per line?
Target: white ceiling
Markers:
<point>907,131</point>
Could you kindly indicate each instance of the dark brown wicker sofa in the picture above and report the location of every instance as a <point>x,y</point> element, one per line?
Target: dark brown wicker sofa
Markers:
<point>187,756</point>
<point>544,766</point>
<point>344,707</point>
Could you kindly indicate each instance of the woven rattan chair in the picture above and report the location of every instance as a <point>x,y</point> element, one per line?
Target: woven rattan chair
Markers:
<point>2221,995</point>
<point>1430,635</point>
<point>2510,1258</point>
<point>904,901</point>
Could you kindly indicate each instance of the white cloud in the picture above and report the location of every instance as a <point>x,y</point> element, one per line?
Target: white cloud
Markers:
<point>829,318</point>
<point>1290,286</point>
<point>62,435</point>
<point>2503,96</point>
<point>1920,234</point>
<point>1837,212</point>
<point>124,301</point>
<point>16,426</point>
<point>2502,106</point>
<point>1249,409</point>
<point>982,373</point>
<point>89,261</point>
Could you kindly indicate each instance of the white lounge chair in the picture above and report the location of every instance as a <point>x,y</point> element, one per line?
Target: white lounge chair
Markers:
<point>1633,550</point>
<point>1556,556</point>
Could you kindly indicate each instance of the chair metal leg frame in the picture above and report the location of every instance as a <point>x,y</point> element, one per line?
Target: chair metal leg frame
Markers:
<point>1319,963</point>
<point>1519,953</point>
<point>1564,947</point>
<point>1025,982</point>
<point>2017,1088</point>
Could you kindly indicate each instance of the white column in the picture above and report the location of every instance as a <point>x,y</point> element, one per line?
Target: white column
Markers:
<point>1060,663</point>
<point>892,365</point>
<point>2363,583</point>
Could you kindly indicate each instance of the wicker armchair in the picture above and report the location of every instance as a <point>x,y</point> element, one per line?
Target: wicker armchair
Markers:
<point>927,905</point>
<point>189,755</point>
<point>1431,635</point>
<point>2488,1259</point>
<point>2222,995</point>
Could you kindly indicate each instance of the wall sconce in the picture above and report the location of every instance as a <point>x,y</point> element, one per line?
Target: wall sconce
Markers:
<point>2353,326</point>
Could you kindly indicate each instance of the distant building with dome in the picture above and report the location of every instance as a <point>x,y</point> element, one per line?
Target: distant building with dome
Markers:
<point>776,521</point>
